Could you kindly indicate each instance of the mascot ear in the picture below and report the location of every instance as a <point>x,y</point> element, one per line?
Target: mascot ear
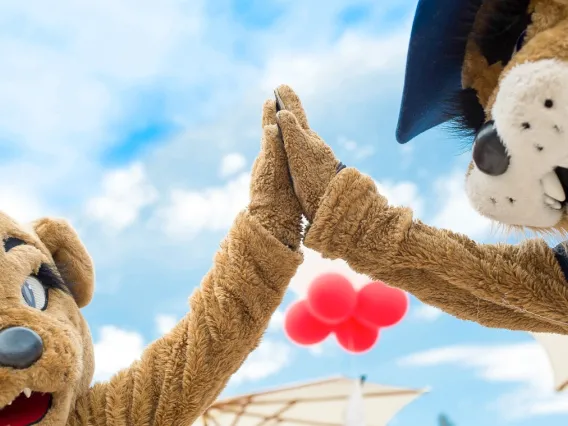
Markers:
<point>70,256</point>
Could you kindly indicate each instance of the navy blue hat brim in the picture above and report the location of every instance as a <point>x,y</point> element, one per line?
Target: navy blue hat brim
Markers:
<point>433,69</point>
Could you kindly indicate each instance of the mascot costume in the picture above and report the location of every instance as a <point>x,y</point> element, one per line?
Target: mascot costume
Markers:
<point>46,352</point>
<point>499,69</point>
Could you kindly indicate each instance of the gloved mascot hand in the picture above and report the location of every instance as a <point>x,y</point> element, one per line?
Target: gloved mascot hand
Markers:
<point>312,163</point>
<point>518,287</point>
<point>272,200</point>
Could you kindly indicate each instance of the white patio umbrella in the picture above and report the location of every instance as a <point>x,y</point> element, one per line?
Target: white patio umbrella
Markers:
<point>556,347</point>
<point>318,403</point>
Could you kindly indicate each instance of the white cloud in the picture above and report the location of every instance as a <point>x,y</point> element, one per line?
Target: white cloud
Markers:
<point>407,155</point>
<point>125,193</point>
<point>116,349</point>
<point>402,194</point>
<point>157,51</point>
<point>20,204</point>
<point>268,359</point>
<point>164,323</point>
<point>314,265</point>
<point>524,364</point>
<point>427,313</point>
<point>356,151</point>
<point>349,59</point>
<point>231,164</point>
<point>316,350</point>
<point>76,90</point>
<point>277,321</point>
<point>329,347</point>
<point>456,212</point>
<point>347,144</point>
<point>211,209</point>
<point>67,45</point>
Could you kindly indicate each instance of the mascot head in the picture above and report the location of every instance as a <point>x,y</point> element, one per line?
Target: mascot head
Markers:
<point>498,69</point>
<point>46,353</point>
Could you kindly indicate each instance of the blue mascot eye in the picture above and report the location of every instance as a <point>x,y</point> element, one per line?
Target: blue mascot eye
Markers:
<point>34,293</point>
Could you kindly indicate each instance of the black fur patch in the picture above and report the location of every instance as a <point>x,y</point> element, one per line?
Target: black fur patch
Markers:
<point>11,242</point>
<point>455,49</point>
<point>500,27</point>
<point>497,32</point>
<point>465,113</point>
<point>562,258</point>
<point>50,278</point>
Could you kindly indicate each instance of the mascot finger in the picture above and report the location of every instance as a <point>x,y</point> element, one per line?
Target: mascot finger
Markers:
<point>312,163</point>
<point>269,113</point>
<point>287,99</point>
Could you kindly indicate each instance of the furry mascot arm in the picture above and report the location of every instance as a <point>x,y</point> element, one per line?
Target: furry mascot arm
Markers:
<point>182,373</point>
<point>504,286</point>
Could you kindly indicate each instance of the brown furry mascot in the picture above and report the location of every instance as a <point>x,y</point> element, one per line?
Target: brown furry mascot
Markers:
<point>46,352</point>
<point>502,73</point>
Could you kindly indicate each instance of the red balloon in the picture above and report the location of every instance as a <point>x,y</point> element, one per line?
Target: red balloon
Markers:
<point>302,327</point>
<point>331,298</point>
<point>379,305</point>
<point>356,337</point>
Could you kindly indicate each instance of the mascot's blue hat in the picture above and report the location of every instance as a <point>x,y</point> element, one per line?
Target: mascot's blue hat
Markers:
<point>434,64</point>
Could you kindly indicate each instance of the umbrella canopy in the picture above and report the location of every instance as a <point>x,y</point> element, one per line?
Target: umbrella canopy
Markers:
<point>317,403</point>
<point>556,347</point>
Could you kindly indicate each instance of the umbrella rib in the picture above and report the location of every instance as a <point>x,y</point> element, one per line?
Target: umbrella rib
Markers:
<point>288,388</point>
<point>207,417</point>
<point>325,398</point>
<point>276,416</point>
<point>233,403</point>
<point>214,420</point>
<point>288,419</point>
<point>244,404</point>
<point>562,386</point>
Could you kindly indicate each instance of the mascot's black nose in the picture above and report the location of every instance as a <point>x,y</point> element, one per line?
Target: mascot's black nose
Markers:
<point>20,347</point>
<point>489,153</point>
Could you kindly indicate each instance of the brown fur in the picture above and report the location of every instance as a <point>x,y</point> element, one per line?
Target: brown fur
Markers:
<point>180,374</point>
<point>319,160</point>
<point>546,39</point>
<point>517,287</point>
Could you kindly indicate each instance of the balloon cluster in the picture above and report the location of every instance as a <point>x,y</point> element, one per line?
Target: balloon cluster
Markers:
<point>333,305</point>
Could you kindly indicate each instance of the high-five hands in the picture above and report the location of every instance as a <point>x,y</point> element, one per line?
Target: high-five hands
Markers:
<point>311,161</point>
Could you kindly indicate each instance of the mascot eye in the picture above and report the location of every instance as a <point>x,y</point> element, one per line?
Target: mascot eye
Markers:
<point>520,42</point>
<point>34,293</point>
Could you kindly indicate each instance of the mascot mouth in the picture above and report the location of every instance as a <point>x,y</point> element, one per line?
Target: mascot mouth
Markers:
<point>562,174</point>
<point>28,408</point>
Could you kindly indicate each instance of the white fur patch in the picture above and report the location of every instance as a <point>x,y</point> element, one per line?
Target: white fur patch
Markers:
<point>536,139</point>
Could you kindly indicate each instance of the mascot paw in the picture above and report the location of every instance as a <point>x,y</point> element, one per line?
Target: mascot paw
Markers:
<point>272,198</point>
<point>311,161</point>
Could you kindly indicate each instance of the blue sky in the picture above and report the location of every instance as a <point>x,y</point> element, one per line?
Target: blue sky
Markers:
<point>139,121</point>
